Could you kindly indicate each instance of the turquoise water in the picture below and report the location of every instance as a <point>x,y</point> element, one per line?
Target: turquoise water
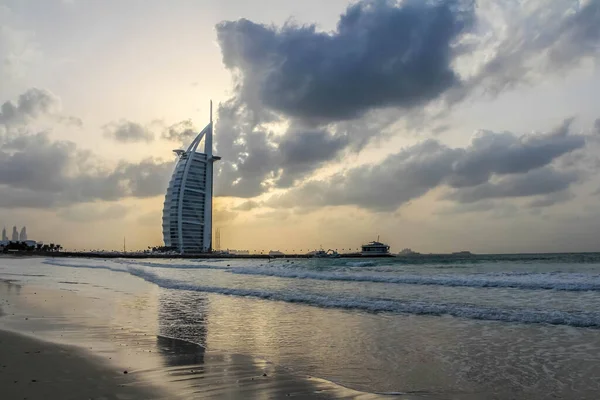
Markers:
<point>509,326</point>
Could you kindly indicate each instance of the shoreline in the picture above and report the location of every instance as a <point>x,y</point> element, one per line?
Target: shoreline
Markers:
<point>64,254</point>
<point>84,366</point>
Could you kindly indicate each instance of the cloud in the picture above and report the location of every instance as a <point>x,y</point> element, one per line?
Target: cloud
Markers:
<point>383,53</point>
<point>494,165</point>
<point>29,106</point>
<point>302,152</point>
<point>57,173</point>
<point>38,172</point>
<point>277,215</point>
<point>19,49</point>
<point>125,131</point>
<point>381,187</point>
<point>505,153</point>
<point>93,212</point>
<point>247,151</point>
<point>223,217</point>
<point>255,159</point>
<point>12,198</point>
<point>387,60</point>
<point>537,182</point>
<point>521,42</point>
<point>552,199</point>
<point>440,129</point>
<point>182,132</point>
<point>492,208</point>
<point>597,127</point>
<point>247,206</point>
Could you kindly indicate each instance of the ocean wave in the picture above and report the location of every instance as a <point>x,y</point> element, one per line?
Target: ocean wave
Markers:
<point>553,317</point>
<point>172,266</point>
<point>529,281</point>
<point>78,265</point>
<point>560,281</point>
<point>576,319</point>
<point>361,264</point>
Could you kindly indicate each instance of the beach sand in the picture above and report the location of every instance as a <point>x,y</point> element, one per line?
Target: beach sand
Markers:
<point>32,369</point>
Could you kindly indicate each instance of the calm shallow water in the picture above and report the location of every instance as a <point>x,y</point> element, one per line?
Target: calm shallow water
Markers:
<point>481,327</point>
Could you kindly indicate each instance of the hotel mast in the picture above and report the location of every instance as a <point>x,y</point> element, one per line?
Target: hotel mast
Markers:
<point>187,212</point>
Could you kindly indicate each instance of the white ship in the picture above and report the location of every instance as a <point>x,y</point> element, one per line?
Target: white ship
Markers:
<point>374,249</point>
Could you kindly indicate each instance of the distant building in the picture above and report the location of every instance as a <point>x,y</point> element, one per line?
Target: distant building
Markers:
<point>187,212</point>
<point>408,252</point>
<point>15,234</point>
<point>4,236</point>
<point>23,234</point>
<point>30,243</point>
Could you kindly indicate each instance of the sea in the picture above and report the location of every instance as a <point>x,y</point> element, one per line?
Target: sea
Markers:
<point>455,327</point>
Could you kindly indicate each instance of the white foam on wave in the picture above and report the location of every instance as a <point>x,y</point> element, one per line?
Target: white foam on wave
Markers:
<point>561,281</point>
<point>530,281</point>
<point>173,266</point>
<point>576,319</point>
<point>361,264</point>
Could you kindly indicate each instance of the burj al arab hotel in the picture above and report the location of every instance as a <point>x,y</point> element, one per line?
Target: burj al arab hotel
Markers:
<point>187,212</point>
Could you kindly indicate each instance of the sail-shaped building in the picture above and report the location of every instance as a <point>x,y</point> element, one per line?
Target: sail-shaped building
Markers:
<point>187,212</point>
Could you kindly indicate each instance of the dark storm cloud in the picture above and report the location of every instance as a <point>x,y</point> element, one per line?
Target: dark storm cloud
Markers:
<point>127,132</point>
<point>537,182</point>
<point>247,152</point>
<point>505,153</point>
<point>255,160</point>
<point>302,152</point>
<point>495,165</point>
<point>383,53</point>
<point>382,187</point>
<point>38,172</point>
<point>395,55</point>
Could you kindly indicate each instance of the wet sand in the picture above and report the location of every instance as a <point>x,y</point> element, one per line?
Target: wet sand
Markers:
<point>38,362</point>
<point>33,369</point>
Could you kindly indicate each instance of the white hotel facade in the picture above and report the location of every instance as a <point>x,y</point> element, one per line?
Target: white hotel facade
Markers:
<point>187,212</point>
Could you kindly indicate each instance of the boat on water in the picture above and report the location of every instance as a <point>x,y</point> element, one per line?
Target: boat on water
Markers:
<point>462,253</point>
<point>408,252</point>
<point>326,254</point>
<point>375,249</point>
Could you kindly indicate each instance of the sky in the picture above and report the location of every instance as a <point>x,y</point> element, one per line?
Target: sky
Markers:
<point>439,126</point>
